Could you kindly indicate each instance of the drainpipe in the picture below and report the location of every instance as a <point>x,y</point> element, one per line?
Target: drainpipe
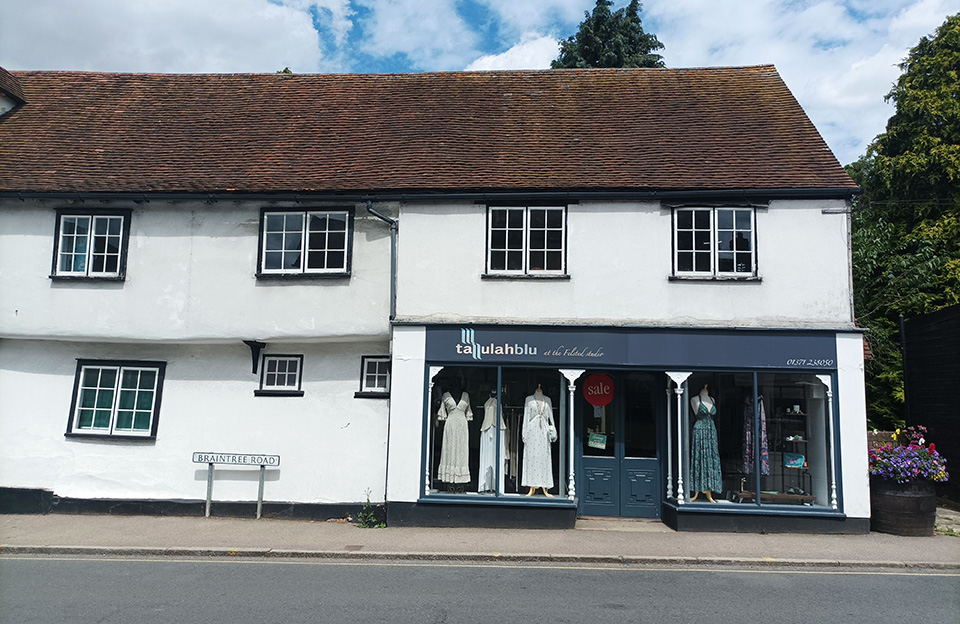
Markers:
<point>393,314</point>
<point>393,256</point>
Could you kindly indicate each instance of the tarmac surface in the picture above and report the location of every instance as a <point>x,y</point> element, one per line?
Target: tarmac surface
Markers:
<point>594,540</point>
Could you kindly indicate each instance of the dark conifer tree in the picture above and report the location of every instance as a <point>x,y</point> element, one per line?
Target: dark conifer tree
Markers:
<point>608,38</point>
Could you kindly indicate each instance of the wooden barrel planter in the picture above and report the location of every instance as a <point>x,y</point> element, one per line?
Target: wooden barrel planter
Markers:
<point>903,508</point>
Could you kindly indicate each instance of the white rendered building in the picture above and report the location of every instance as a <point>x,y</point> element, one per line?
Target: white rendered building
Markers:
<point>300,267</point>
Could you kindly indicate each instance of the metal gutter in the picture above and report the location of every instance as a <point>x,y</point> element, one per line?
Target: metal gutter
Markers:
<point>442,195</point>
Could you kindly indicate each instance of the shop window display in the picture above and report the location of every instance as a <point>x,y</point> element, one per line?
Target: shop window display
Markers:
<point>770,437</point>
<point>490,441</point>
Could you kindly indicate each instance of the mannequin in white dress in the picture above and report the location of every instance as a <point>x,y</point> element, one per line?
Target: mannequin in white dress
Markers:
<point>455,446</point>
<point>537,459</point>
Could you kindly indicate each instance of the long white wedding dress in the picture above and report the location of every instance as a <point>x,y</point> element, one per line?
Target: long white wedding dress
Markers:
<point>455,447</point>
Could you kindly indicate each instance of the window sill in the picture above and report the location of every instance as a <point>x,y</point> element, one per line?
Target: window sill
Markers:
<point>278,393</point>
<point>107,436</point>
<point>301,276</point>
<point>86,278</point>
<point>510,500</point>
<point>713,278</point>
<point>371,395</point>
<point>524,276</point>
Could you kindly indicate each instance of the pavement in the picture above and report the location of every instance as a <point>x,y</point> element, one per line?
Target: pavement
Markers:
<point>593,541</point>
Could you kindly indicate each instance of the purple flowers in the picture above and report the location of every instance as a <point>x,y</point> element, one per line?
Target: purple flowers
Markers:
<point>913,462</point>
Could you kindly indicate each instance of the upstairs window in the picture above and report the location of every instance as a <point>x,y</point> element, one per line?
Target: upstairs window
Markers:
<point>714,242</point>
<point>312,242</point>
<point>526,241</point>
<point>91,245</point>
<point>116,398</point>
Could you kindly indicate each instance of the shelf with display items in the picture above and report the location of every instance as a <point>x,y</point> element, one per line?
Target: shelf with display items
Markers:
<point>791,444</point>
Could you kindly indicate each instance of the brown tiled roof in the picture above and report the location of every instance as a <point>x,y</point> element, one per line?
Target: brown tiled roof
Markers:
<point>614,129</point>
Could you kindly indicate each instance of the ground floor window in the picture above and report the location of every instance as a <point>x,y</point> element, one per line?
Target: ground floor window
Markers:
<point>757,438</point>
<point>113,398</point>
<point>497,431</point>
<point>281,375</point>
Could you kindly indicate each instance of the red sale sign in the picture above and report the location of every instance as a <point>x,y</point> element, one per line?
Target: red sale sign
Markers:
<point>598,389</point>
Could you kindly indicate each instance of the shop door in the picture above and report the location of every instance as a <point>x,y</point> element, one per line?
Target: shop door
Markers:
<point>620,466</point>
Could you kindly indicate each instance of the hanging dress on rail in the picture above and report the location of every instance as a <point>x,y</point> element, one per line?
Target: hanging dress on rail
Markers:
<point>488,448</point>
<point>455,447</point>
<point>749,448</point>
<point>704,452</point>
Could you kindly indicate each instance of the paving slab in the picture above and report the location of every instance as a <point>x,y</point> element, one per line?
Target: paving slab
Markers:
<point>593,541</point>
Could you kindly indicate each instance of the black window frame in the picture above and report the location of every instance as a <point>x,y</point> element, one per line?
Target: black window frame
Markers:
<point>364,393</point>
<point>72,419</point>
<point>303,273</point>
<point>274,390</point>
<point>124,213</point>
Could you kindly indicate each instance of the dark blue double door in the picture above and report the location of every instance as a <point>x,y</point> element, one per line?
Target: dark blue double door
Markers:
<point>618,444</point>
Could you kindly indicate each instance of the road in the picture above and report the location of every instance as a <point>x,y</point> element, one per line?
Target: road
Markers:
<point>52,590</point>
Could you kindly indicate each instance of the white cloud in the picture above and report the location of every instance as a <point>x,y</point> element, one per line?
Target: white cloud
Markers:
<point>336,13</point>
<point>519,16</point>
<point>431,34</point>
<point>157,36</point>
<point>533,52</point>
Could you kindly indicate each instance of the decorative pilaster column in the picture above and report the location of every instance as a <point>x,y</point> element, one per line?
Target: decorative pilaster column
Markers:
<point>434,371</point>
<point>669,445</point>
<point>827,380</point>
<point>679,378</point>
<point>571,374</point>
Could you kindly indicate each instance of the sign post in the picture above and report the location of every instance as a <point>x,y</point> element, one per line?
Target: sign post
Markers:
<point>236,459</point>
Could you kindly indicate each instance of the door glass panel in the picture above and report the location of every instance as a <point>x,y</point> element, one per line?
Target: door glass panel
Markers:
<point>640,424</point>
<point>599,429</point>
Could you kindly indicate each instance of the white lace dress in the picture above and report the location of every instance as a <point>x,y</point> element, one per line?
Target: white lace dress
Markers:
<point>455,447</point>
<point>488,448</point>
<point>537,469</point>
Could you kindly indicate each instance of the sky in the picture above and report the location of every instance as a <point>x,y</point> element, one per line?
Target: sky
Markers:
<point>839,58</point>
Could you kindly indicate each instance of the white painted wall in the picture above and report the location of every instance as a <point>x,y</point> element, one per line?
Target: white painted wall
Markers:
<point>6,104</point>
<point>618,259</point>
<point>853,426</point>
<point>332,445</point>
<point>190,277</point>
<point>404,480</point>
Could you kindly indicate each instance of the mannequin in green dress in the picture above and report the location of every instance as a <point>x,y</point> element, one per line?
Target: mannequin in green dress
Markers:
<point>704,452</point>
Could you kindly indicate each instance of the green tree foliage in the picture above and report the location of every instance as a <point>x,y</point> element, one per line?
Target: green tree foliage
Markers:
<point>906,225</point>
<point>610,39</point>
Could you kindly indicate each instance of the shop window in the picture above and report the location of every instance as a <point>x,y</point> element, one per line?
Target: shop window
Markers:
<point>714,242</point>
<point>91,245</point>
<point>469,454</point>
<point>526,240</point>
<point>281,375</point>
<point>116,398</point>
<point>311,242</point>
<point>768,448</point>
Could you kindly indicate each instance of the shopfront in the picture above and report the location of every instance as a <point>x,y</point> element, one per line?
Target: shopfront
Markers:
<point>703,428</point>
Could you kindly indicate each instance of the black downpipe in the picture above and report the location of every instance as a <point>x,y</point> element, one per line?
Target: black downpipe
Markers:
<point>393,256</point>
